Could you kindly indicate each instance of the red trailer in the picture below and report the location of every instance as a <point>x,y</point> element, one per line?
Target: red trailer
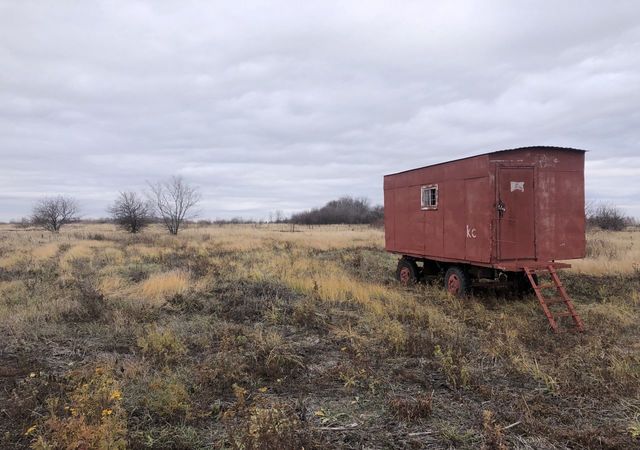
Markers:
<point>496,218</point>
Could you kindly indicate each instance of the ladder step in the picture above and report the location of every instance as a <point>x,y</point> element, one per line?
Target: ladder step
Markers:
<point>568,330</point>
<point>553,315</point>
<point>554,300</point>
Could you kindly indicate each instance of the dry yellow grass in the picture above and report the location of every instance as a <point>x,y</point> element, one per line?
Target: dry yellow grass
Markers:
<point>163,285</point>
<point>610,252</point>
<point>248,237</point>
<point>113,285</point>
<point>45,251</point>
<point>13,288</point>
<point>77,252</point>
<point>263,303</point>
<point>139,253</point>
<point>112,256</point>
<point>12,260</point>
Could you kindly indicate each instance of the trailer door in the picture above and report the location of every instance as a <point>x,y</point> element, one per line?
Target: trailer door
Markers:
<point>515,208</point>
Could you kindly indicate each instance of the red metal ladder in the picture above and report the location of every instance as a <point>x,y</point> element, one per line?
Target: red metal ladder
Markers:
<point>562,298</point>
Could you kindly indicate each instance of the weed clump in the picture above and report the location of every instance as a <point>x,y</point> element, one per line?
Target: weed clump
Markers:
<point>91,416</point>
<point>634,427</point>
<point>454,366</point>
<point>227,367</point>
<point>494,435</point>
<point>307,313</point>
<point>274,357</point>
<point>161,344</point>
<point>411,408</point>
<point>602,248</point>
<point>270,426</point>
<point>167,397</point>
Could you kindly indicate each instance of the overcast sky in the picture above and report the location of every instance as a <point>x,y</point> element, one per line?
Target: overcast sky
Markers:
<point>286,105</point>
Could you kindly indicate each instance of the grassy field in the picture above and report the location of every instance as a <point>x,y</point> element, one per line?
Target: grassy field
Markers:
<point>255,337</point>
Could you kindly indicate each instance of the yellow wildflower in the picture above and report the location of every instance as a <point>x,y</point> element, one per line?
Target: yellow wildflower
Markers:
<point>116,395</point>
<point>107,412</point>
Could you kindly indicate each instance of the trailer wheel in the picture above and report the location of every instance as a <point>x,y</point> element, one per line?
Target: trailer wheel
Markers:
<point>407,271</point>
<point>456,281</point>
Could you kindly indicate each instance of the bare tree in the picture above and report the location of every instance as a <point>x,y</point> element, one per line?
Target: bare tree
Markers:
<point>53,212</point>
<point>606,216</point>
<point>174,201</point>
<point>131,212</point>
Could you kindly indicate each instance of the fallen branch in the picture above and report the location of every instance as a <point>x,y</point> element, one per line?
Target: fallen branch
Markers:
<point>512,425</point>
<point>345,428</point>
<point>420,433</point>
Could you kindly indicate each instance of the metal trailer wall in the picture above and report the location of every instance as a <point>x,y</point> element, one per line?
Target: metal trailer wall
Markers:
<point>540,188</point>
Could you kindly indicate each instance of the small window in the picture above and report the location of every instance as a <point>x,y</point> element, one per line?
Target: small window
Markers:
<point>430,196</point>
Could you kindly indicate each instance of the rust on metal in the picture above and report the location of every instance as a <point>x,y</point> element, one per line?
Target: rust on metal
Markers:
<point>489,218</point>
<point>506,209</point>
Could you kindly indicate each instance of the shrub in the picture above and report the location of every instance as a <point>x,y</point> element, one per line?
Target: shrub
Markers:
<point>607,217</point>
<point>130,212</point>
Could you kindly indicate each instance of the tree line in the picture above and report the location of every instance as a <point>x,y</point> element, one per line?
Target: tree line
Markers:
<point>171,202</point>
<point>344,210</point>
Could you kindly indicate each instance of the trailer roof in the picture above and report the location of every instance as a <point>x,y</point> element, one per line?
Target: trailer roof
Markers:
<point>533,147</point>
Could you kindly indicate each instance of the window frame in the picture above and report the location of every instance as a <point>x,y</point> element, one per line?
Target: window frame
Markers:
<point>429,187</point>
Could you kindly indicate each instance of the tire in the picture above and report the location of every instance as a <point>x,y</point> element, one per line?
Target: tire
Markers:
<point>407,272</point>
<point>456,282</point>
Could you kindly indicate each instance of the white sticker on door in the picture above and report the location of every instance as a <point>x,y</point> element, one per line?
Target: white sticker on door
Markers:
<point>517,186</point>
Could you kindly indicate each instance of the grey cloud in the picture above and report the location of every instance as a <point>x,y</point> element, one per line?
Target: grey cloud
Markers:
<point>281,105</point>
